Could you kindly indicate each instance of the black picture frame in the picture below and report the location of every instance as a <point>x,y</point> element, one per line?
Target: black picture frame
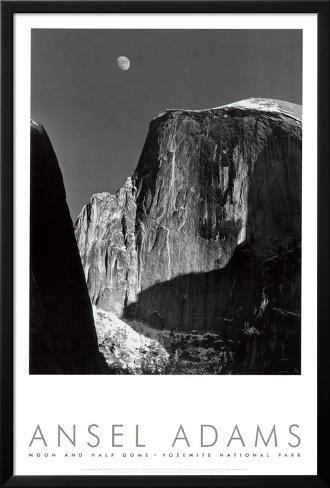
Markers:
<point>8,9</point>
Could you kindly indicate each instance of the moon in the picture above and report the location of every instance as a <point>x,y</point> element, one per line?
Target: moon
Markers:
<point>123,63</point>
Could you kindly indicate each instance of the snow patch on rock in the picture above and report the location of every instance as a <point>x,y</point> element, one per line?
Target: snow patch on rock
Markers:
<point>126,349</point>
<point>269,105</point>
<point>262,104</point>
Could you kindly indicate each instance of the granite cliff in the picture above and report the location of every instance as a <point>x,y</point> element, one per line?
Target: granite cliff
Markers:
<point>206,233</point>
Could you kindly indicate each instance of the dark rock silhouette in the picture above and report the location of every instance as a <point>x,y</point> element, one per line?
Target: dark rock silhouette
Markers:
<point>62,332</point>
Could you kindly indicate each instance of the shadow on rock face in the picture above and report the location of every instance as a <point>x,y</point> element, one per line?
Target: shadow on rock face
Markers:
<point>200,301</point>
<point>254,302</point>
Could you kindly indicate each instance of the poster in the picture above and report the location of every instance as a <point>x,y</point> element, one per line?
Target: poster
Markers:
<point>165,244</point>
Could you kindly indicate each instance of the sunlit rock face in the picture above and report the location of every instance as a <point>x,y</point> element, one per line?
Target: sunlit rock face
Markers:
<point>215,194</point>
<point>105,232</point>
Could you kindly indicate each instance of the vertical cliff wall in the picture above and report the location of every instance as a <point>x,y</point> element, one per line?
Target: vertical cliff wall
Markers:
<point>62,332</point>
<point>105,233</point>
<point>188,241</point>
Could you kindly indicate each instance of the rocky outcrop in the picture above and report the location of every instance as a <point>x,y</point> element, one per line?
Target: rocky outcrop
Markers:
<point>214,203</point>
<point>62,332</point>
<point>105,233</point>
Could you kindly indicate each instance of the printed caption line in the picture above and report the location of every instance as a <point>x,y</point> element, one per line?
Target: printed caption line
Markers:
<point>163,469</point>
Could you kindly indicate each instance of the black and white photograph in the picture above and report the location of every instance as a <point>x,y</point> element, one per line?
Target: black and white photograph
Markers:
<point>165,201</point>
<point>164,243</point>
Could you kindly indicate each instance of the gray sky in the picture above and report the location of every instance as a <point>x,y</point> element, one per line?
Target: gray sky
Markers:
<point>97,116</point>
